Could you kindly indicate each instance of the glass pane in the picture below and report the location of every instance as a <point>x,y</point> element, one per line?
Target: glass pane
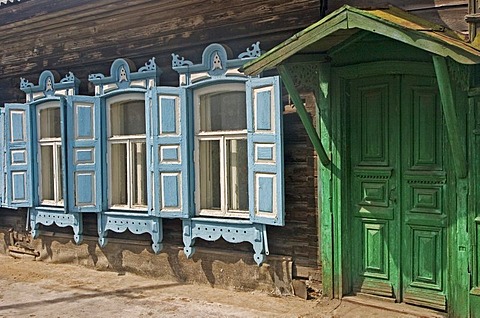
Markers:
<point>127,118</point>
<point>47,173</point>
<point>118,172</point>
<point>50,123</point>
<point>210,174</point>
<point>223,111</point>
<point>139,174</point>
<point>59,173</point>
<point>237,174</point>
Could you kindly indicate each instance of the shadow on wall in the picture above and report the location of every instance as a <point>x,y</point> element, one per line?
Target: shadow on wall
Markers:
<point>214,267</point>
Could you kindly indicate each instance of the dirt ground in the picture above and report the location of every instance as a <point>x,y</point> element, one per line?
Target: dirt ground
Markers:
<point>38,289</point>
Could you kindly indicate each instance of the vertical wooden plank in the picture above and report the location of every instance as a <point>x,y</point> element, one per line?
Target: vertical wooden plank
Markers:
<point>451,120</point>
<point>474,204</point>
<point>324,128</point>
<point>341,256</point>
<point>458,254</point>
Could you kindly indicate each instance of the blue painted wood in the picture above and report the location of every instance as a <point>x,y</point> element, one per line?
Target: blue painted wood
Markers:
<point>48,87</point>
<point>18,120</point>
<point>265,177</point>
<point>263,110</point>
<point>215,63</point>
<point>137,224</point>
<point>84,178</point>
<point>19,156</point>
<point>233,231</point>
<point>171,191</point>
<point>265,189</point>
<point>265,153</point>
<point>168,116</point>
<point>2,157</point>
<point>85,117</point>
<point>122,76</point>
<point>85,155</point>
<point>167,131</point>
<point>169,153</point>
<point>48,216</point>
<point>19,192</point>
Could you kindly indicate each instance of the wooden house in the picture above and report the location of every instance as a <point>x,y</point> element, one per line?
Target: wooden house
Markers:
<point>169,147</point>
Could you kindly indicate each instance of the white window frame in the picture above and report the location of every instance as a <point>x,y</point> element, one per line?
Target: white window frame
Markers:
<point>130,141</point>
<point>55,143</point>
<point>222,137</point>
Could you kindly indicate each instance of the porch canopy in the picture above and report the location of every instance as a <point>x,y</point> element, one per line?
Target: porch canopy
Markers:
<point>346,25</point>
<point>342,24</point>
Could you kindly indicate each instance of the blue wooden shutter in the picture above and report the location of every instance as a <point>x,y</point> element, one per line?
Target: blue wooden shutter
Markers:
<point>18,156</point>
<point>265,151</point>
<point>84,166</point>
<point>2,157</point>
<point>63,130</point>
<point>168,158</point>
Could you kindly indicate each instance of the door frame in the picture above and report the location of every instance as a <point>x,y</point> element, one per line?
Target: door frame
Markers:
<point>341,175</point>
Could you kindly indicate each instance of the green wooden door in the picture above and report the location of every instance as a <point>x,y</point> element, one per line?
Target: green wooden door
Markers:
<point>397,189</point>
<point>474,219</point>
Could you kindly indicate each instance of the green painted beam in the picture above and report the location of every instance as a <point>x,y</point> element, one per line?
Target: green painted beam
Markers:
<point>304,117</point>
<point>451,120</point>
<point>325,213</point>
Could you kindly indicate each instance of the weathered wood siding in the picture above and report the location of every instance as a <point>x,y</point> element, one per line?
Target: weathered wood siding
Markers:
<point>86,36</point>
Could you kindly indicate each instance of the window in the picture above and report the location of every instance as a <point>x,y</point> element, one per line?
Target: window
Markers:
<point>50,155</point>
<point>127,152</point>
<point>221,159</point>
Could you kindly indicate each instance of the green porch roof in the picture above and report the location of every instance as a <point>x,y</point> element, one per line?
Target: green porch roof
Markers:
<point>342,24</point>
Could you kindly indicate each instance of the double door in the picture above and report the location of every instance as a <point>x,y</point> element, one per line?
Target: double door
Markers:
<point>397,211</point>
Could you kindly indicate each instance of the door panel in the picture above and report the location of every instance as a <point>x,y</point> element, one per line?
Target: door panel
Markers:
<point>423,194</point>
<point>398,189</point>
<point>373,183</point>
<point>474,218</point>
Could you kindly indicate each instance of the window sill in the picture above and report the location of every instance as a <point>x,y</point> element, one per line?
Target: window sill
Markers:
<point>221,220</point>
<point>141,213</point>
<point>50,208</point>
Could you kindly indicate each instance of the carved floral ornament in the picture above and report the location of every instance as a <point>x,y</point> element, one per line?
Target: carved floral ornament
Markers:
<point>48,87</point>
<point>215,63</point>
<point>122,76</point>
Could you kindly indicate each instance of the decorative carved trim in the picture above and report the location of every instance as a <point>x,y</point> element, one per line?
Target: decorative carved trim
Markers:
<point>305,76</point>
<point>459,73</point>
<point>47,87</point>
<point>251,53</point>
<point>426,181</point>
<point>5,2</point>
<point>137,224</point>
<point>25,83</point>
<point>177,61</point>
<point>378,173</point>
<point>47,218</point>
<point>232,232</point>
<point>216,62</point>
<point>149,66</point>
<point>68,78</point>
<point>95,76</point>
<point>123,76</point>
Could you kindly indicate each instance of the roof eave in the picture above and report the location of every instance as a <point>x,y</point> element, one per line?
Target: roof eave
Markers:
<point>435,41</point>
